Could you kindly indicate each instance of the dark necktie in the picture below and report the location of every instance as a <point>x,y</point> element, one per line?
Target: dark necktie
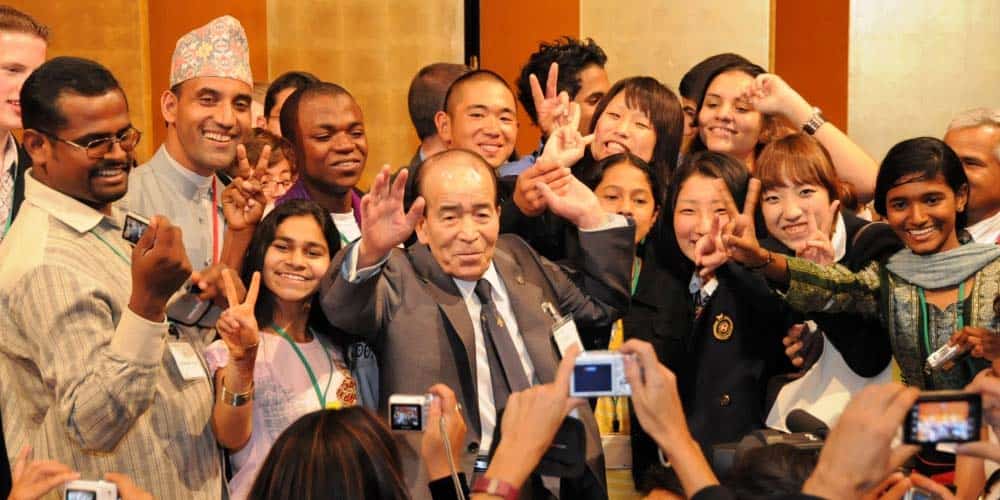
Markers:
<point>506,371</point>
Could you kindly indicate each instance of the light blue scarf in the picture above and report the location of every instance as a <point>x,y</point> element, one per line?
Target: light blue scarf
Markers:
<point>944,269</point>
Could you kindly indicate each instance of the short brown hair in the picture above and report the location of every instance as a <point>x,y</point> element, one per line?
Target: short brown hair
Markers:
<point>13,20</point>
<point>799,159</point>
<point>280,148</point>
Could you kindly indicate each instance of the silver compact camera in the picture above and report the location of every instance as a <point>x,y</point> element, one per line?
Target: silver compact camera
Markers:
<point>91,490</point>
<point>945,357</point>
<point>599,373</point>
<point>408,412</point>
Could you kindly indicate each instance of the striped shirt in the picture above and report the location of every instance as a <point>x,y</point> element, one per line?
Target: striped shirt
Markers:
<point>85,380</point>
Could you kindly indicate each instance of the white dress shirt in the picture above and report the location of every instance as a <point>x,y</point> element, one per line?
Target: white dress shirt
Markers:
<point>986,230</point>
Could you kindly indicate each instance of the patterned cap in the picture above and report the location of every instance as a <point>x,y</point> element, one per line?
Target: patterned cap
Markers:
<point>218,49</point>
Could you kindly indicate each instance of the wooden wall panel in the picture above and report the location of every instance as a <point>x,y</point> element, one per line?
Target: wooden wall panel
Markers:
<point>372,48</point>
<point>811,42</point>
<point>112,32</point>
<point>510,31</point>
<point>171,19</point>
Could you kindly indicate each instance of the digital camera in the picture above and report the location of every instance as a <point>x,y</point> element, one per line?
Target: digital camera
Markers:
<point>599,373</point>
<point>408,412</point>
<point>91,490</point>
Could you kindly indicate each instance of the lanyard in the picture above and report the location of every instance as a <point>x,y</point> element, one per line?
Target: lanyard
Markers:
<point>112,247</point>
<point>215,225</point>
<point>321,396</point>
<point>925,329</point>
<point>636,269</point>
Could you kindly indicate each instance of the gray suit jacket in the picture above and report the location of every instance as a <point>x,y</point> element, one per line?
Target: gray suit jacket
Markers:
<point>423,334</point>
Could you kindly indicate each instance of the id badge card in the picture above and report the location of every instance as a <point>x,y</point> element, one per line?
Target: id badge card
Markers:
<point>187,361</point>
<point>563,330</point>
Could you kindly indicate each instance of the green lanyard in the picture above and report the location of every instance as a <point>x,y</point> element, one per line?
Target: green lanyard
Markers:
<point>636,269</point>
<point>321,396</point>
<point>10,216</point>
<point>925,329</point>
<point>112,247</point>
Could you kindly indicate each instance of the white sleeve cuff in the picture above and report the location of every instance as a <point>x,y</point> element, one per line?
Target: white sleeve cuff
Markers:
<point>138,339</point>
<point>349,269</point>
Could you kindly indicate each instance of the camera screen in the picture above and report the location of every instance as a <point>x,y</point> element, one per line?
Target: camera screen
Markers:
<point>80,495</point>
<point>592,378</point>
<point>943,422</point>
<point>133,230</point>
<point>406,417</point>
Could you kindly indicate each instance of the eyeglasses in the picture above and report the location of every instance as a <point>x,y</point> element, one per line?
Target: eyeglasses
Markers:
<point>99,148</point>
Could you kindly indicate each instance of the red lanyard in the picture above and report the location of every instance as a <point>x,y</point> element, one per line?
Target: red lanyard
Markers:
<point>215,225</point>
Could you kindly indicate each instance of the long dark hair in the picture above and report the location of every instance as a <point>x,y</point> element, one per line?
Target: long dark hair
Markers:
<point>663,107</point>
<point>922,158</point>
<point>264,235</point>
<point>709,164</point>
<point>346,453</point>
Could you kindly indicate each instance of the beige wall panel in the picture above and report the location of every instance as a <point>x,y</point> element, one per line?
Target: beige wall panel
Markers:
<point>112,32</point>
<point>664,38</point>
<point>916,63</point>
<point>373,48</point>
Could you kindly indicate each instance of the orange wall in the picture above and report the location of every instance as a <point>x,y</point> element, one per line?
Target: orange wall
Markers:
<point>171,19</point>
<point>811,42</point>
<point>510,31</point>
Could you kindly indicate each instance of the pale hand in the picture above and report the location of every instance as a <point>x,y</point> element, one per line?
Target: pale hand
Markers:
<point>552,107</point>
<point>237,325</point>
<point>740,233</point>
<point>577,204</point>
<point>710,252</point>
<point>565,145</point>
<point>818,248</point>
<point>386,224</point>
<point>432,449</point>
<point>771,95</point>
<point>33,479</point>
<point>527,197</point>
<point>243,200</point>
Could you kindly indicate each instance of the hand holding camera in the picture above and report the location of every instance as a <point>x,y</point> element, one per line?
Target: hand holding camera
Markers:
<point>159,267</point>
<point>33,479</point>
<point>434,451</point>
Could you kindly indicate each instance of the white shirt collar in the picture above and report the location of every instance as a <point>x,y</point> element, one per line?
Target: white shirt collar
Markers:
<point>467,288</point>
<point>697,285</point>
<point>839,238</point>
<point>63,207</point>
<point>986,230</point>
<point>203,183</point>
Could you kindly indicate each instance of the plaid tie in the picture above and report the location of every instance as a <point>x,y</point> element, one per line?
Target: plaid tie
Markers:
<point>6,198</point>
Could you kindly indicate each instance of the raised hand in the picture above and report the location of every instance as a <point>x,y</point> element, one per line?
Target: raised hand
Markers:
<point>33,479</point>
<point>527,197</point>
<point>576,203</point>
<point>243,200</point>
<point>710,252</point>
<point>159,267</point>
<point>212,285</point>
<point>565,145</point>
<point>739,234</point>
<point>386,224</point>
<point>238,325</point>
<point>818,247</point>
<point>771,95</point>
<point>552,107</point>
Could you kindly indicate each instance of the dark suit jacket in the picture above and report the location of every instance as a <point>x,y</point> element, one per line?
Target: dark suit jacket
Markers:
<point>423,334</point>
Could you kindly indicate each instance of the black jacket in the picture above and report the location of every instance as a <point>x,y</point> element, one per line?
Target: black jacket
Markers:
<point>863,343</point>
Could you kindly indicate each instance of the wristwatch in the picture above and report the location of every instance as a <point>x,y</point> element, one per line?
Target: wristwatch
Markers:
<point>495,487</point>
<point>236,399</point>
<point>815,122</point>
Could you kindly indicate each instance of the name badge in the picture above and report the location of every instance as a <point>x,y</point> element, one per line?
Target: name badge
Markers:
<point>187,361</point>
<point>563,330</point>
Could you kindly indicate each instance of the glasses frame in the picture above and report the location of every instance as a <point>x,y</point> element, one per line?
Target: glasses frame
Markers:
<point>115,139</point>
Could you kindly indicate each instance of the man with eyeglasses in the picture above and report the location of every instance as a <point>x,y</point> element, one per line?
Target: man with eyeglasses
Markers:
<point>23,44</point>
<point>90,375</point>
<point>207,111</point>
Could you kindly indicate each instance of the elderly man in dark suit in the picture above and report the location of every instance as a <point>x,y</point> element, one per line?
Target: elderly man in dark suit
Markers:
<point>473,309</point>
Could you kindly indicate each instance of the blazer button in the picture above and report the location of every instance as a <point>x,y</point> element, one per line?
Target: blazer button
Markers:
<point>725,400</point>
<point>473,447</point>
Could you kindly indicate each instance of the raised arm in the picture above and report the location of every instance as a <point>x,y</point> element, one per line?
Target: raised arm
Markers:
<point>772,95</point>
